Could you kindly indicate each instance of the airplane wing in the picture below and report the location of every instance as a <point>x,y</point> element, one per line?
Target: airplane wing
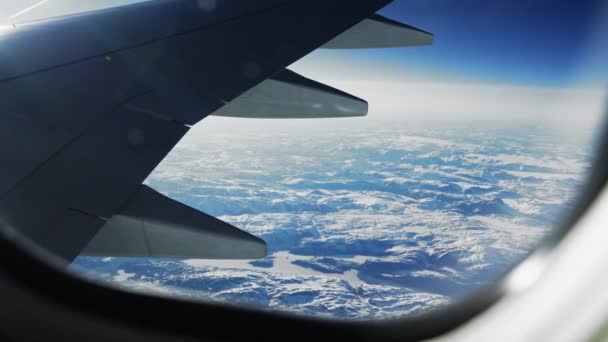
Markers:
<point>289,95</point>
<point>93,102</point>
<point>152,225</point>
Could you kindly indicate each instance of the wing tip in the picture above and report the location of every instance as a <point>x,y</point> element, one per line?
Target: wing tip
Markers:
<point>377,32</point>
<point>153,225</point>
<point>288,95</point>
<point>392,22</point>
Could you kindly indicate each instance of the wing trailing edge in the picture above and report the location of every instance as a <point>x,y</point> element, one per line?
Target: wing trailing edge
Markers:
<point>288,95</point>
<point>380,32</point>
<point>152,225</point>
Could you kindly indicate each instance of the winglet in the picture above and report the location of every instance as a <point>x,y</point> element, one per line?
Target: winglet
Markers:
<point>152,225</point>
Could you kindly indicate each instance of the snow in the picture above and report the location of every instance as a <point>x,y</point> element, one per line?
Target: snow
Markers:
<point>380,220</point>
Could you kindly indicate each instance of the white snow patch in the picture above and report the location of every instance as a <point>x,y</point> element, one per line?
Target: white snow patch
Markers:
<point>122,276</point>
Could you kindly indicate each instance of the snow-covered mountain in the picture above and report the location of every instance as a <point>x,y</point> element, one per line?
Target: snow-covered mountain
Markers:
<point>375,219</point>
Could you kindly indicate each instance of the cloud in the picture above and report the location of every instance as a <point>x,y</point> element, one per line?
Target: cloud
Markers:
<point>475,101</point>
<point>442,102</point>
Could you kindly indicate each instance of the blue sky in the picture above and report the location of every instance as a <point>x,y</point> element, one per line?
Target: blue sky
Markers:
<point>525,41</point>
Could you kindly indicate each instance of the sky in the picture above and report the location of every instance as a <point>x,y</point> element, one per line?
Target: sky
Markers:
<point>522,42</point>
<point>489,58</point>
<point>525,42</point>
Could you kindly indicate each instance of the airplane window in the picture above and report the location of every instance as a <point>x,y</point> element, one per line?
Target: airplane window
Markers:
<point>393,170</point>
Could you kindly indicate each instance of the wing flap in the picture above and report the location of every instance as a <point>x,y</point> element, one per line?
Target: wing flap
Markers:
<point>152,225</point>
<point>288,95</point>
<point>380,32</point>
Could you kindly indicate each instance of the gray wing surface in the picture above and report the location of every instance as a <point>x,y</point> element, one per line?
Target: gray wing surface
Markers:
<point>380,32</point>
<point>88,179</point>
<point>288,95</point>
<point>93,102</point>
<point>152,225</point>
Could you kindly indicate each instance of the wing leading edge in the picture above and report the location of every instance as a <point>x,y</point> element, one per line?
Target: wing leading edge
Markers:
<point>108,109</point>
